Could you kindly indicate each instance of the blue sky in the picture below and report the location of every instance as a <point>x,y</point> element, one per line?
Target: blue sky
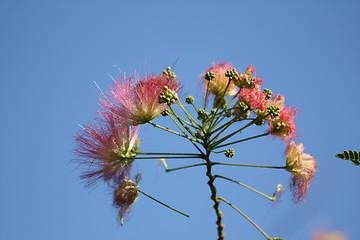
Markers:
<point>52,52</point>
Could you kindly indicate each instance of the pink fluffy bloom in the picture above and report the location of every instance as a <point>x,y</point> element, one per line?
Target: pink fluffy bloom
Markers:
<point>277,100</point>
<point>303,168</point>
<point>254,98</point>
<point>284,125</point>
<point>137,101</point>
<point>247,80</point>
<point>250,70</point>
<point>328,235</point>
<point>218,85</point>
<point>106,150</point>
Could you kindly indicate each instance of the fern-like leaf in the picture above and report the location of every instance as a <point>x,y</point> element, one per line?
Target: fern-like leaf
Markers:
<point>350,155</point>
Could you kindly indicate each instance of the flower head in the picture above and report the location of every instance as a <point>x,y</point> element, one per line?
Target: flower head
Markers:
<point>125,194</point>
<point>218,85</point>
<point>277,100</point>
<point>106,149</point>
<point>328,235</point>
<point>253,97</point>
<point>303,168</point>
<point>137,101</point>
<point>284,125</point>
<point>247,80</point>
<point>250,70</point>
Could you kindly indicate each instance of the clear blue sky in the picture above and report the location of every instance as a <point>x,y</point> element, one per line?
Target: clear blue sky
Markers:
<point>51,52</point>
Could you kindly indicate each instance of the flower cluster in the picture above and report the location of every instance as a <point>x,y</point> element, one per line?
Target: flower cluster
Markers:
<point>250,93</point>
<point>263,104</point>
<point>108,147</point>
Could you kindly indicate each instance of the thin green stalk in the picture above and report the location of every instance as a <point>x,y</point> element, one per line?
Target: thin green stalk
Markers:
<point>232,134</point>
<point>218,151</point>
<point>225,126</point>
<point>219,120</point>
<point>207,93</point>
<point>217,109</point>
<point>153,153</point>
<point>246,186</point>
<point>194,107</point>
<point>243,140</point>
<point>188,115</point>
<point>180,120</point>
<point>244,215</point>
<point>169,157</point>
<point>232,99</point>
<point>191,140</point>
<point>173,132</point>
<point>179,168</point>
<point>168,130</point>
<point>247,165</point>
<point>163,203</point>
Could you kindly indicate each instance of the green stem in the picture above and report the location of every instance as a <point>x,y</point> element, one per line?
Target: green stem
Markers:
<point>233,98</point>
<point>179,168</point>
<point>173,132</point>
<point>183,120</point>
<point>248,187</point>
<point>163,203</point>
<point>194,107</point>
<point>166,129</point>
<point>232,134</point>
<point>243,140</point>
<point>153,153</point>
<point>244,215</point>
<point>225,126</point>
<point>247,165</point>
<point>169,157</point>
<point>207,93</point>
<point>188,115</point>
<point>217,109</point>
<point>180,120</point>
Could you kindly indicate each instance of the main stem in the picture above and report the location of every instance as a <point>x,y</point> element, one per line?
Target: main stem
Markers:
<point>220,225</point>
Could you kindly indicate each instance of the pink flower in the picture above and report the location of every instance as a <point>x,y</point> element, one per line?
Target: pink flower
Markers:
<point>303,168</point>
<point>107,150</point>
<point>328,235</point>
<point>277,100</point>
<point>247,80</point>
<point>284,126</point>
<point>250,70</point>
<point>137,101</point>
<point>218,85</point>
<point>254,98</point>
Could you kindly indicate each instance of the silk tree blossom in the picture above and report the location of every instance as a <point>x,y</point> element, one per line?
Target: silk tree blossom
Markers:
<point>107,150</point>
<point>247,80</point>
<point>328,235</point>
<point>303,168</point>
<point>277,100</point>
<point>136,101</point>
<point>250,70</point>
<point>284,125</point>
<point>253,97</point>
<point>218,85</point>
